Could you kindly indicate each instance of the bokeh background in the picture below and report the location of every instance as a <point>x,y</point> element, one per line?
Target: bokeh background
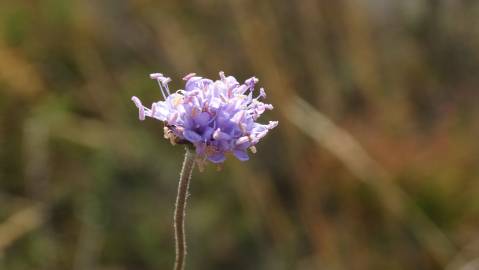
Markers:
<point>375,163</point>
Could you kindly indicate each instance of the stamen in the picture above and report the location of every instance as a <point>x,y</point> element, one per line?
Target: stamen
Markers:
<point>153,109</point>
<point>242,140</point>
<point>161,88</point>
<point>189,76</point>
<point>222,75</point>
<point>155,76</point>
<point>262,93</point>
<point>251,82</point>
<point>141,109</point>
<point>165,81</point>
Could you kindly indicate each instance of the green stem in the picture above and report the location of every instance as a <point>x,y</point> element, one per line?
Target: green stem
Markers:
<point>180,207</point>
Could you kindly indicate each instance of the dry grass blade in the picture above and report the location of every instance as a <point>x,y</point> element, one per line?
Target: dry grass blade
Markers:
<point>20,74</point>
<point>19,224</point>
<point>341,144</point>
<point>466,258</point>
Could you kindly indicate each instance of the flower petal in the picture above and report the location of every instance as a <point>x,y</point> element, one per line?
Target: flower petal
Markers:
<point>217,157</point>
<point>141,108</point>
<point>191,136</point>
<point>219,135</point>
<point>202,119</point>
<point>241,155</point>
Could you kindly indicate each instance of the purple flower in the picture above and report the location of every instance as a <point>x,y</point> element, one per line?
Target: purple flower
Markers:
<point>217,117</point>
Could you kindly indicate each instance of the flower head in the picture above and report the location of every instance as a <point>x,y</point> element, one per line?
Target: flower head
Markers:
<point>217,117</point>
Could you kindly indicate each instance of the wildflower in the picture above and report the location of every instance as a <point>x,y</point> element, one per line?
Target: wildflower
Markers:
<point>217,117</point>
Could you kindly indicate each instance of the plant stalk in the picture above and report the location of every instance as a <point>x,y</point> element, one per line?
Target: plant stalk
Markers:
<point>180,207</point>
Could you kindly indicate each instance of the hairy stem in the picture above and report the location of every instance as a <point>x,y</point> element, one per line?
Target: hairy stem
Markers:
<point>179,219</point>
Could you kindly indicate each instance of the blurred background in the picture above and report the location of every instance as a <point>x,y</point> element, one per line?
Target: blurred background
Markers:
<point>375,163</point>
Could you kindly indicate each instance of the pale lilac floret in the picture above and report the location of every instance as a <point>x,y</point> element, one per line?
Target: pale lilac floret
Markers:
<point>217,117</point>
